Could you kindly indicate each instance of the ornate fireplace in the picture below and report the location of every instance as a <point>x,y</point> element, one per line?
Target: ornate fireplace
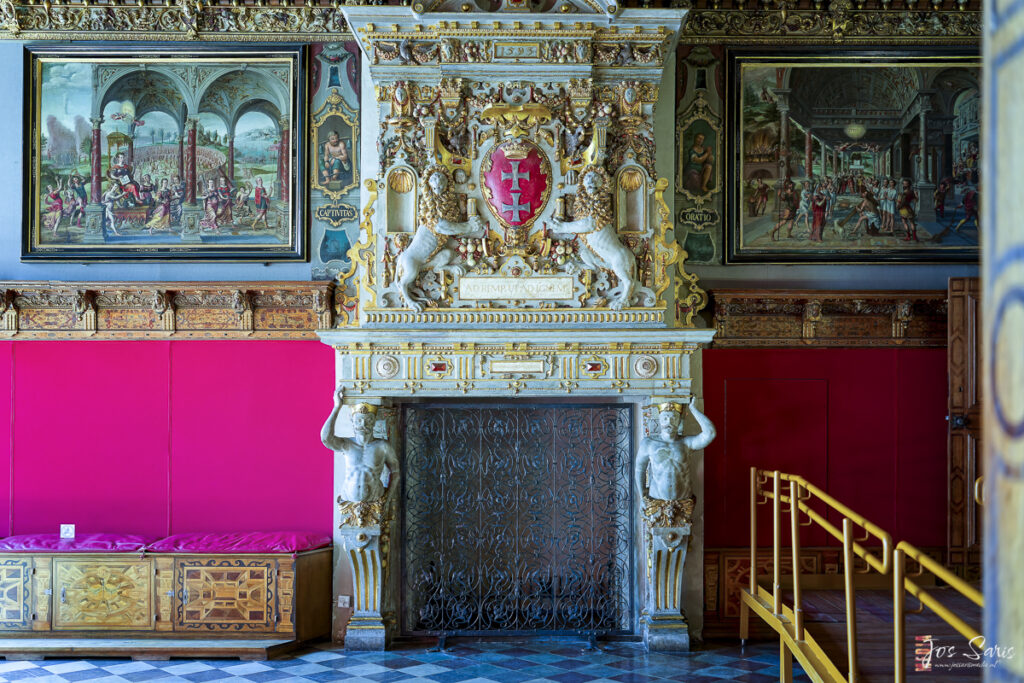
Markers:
<point>516,351</point>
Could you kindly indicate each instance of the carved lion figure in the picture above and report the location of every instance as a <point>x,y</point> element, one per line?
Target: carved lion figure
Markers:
<point>595,227</point>
<point>438,219</point>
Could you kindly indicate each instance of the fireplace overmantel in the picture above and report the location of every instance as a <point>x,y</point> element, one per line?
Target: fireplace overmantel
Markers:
<point>387,364</point>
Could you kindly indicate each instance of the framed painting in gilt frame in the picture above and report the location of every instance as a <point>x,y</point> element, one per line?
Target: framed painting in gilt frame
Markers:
<point>853,157</point>
<point>161,152</point>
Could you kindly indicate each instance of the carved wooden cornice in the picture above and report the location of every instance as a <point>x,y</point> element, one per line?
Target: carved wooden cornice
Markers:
<point>781,22</point>
<point>768,318</point>
<point>165,310</point>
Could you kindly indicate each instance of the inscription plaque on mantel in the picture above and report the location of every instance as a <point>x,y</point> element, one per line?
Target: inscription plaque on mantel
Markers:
<point>508,366</point>
<point>489,288</point>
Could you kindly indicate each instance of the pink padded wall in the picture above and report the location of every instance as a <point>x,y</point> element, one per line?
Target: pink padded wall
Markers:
<point>163,437</point>
<point>245,436</point>
<point>90,436</point>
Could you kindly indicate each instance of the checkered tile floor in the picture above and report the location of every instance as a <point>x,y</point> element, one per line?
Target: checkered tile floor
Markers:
<point>560,661</point>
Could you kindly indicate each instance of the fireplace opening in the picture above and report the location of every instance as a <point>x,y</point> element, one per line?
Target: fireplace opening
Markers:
<point>517,519</point>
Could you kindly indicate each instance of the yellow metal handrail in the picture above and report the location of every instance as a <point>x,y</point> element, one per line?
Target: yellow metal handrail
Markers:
<point>800,496</point>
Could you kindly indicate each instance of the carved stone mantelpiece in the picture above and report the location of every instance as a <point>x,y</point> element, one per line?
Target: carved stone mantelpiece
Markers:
<point>766,318</point>
<point>434,362</point>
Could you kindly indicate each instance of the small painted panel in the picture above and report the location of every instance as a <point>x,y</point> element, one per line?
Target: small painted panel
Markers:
<point>15,594</point>
<point>103,594</point>
<point>226,594</point>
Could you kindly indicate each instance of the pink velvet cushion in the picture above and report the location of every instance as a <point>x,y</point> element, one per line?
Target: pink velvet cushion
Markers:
<point>82,543</point>
<point>241,542</point>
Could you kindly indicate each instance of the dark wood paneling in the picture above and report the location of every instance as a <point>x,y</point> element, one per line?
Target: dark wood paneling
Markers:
<point>964,465</point>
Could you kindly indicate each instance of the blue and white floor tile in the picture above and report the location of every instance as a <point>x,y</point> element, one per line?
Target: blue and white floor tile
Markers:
<point>542,661</point>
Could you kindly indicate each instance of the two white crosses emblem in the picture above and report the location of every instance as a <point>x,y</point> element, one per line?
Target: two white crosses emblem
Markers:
<point>515,208</point>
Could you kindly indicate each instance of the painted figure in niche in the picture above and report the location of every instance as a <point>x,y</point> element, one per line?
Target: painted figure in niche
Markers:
<point>594,225</point>
<point>364,456</point>
<point>336,160</point>
<point>662,471</point>
<point>438,219</point>
<point>699,166</point>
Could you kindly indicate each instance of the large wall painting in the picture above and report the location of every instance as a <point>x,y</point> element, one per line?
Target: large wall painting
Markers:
<point>149,152</point>
<point>854,158</point>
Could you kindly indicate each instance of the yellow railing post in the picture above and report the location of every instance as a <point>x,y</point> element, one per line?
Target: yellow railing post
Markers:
<point>898,616</point>
<point>744,608</point>
<point>785,663</point>
<point>776,545</point>
<point>753,530</point>
<point>851,599</point>
<point>794,528</point>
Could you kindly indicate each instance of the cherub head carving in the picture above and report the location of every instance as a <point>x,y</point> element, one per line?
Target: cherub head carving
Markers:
<point>593,195</point>
<point>437,199</point>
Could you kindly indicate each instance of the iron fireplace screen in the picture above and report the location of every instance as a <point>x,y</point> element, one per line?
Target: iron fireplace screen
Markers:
<point>517,519</point>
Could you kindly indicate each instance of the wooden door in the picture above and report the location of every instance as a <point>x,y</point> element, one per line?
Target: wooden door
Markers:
<point>16,593</point>
<point>964,450</point>
<point>102,593</point>
<point>226,594</point>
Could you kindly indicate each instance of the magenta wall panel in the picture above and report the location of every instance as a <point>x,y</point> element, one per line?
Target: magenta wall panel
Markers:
<point>866,425</point>
<point>6,420</point>
<point>90,436</point>
<point>245,436</point>
<point>921,478</point>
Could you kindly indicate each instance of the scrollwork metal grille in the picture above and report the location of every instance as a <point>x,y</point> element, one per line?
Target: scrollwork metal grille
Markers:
<point>517,519</point>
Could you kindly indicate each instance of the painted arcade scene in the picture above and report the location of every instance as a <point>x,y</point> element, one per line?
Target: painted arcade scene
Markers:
<point>163,153</point>
<point>859,159</point>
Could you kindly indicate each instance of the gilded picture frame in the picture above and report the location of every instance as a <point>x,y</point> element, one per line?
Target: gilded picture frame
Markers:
<point>165,152</point>
<point>826,163</point>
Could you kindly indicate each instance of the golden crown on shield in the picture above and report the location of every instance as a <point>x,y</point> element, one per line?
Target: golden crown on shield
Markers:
<point>516,150</point>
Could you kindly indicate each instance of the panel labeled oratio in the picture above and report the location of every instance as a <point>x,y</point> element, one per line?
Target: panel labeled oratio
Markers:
<point>156,152</point>
<point>517,519</point>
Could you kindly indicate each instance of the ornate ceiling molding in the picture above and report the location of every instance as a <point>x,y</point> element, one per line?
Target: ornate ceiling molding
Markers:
<point>733,22</point>
<point>165,310</point>
<point>769,318</point>
<point>236,21</point>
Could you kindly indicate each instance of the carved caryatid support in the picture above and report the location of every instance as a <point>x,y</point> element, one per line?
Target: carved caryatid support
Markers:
<point>664,479</point>
<point>364,508</point>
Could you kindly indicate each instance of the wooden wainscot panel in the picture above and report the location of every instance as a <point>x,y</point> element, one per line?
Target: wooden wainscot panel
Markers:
<point>313,594</point>
<point>767,318</point>
<point>226,594</point>
<point>160,310</point>
<point>102,593</point>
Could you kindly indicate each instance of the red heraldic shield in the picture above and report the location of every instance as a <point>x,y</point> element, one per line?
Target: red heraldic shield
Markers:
<point>516,180</point>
